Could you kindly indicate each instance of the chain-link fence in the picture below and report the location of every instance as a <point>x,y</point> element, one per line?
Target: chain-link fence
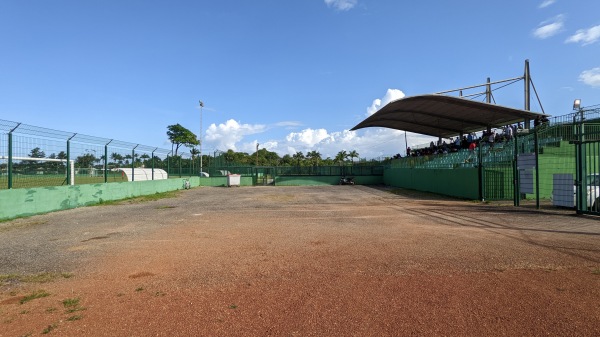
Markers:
<point>32,156</point>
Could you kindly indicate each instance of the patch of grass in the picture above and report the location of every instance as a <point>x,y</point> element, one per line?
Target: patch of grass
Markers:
<point>50,309</point>
<point>33,278</point>
<point>67,275</point>
<point>139,289</point>
<point>34,295</point>
<point>72,310</point>
<point>165,207</point>
<point>74,318</point>
<point>233,306</point>
<point>72,305</point>
<point>70,302</point>
<point>19,224</point>
<point>596,271</point>
<point>49,329</point>
<point>140,199</point>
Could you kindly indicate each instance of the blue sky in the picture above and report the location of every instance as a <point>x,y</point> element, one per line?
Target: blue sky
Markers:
<point>292,75</point>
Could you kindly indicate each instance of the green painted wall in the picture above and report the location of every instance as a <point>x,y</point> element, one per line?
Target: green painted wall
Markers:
<point>222,181</point>
<point>324,180</point>
<point>29,201</point>
<point>461,183</point>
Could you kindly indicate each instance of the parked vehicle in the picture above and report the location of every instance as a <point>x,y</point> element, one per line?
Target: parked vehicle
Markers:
<point>592,191</point>
<point>347,181</point>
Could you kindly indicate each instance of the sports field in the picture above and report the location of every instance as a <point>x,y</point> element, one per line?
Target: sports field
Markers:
<point>301,261</point>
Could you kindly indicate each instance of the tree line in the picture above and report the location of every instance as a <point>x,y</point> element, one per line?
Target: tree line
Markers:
<point>180,137</point>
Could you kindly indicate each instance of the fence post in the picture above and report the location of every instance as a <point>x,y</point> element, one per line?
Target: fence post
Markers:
<point>10,156</point>
<point>133,162</point>
<point>153,163</point>
<point>480,171</point>
<point>168,163</point>
<point>106,161</point>
<point>69,171</point>
<point>536,147</point>
<point>516,187</point>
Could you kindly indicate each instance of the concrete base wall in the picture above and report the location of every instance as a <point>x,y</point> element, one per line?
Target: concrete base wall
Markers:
<point>30,201</point>
<point>324,180</point>
<point>461,183</point>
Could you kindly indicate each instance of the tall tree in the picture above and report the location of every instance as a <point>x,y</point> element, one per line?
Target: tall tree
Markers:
<point>179,135</point>
<point>314,156</point>
<point>341,157</point>
<point>85,161</point>
<point>298,156</point>
<point>353,154</point>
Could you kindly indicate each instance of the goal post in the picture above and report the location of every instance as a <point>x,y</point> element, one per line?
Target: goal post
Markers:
<point>71,164</point>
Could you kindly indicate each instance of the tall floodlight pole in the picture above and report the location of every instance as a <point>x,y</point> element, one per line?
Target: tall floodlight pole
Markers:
<point>200,140</point>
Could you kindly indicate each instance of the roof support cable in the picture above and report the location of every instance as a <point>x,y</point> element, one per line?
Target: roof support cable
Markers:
<point>537,97</point>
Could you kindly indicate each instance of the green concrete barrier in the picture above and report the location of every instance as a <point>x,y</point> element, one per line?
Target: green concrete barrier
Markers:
<point>461,183</point>
<point>324,180</point>
<point>30,201</point>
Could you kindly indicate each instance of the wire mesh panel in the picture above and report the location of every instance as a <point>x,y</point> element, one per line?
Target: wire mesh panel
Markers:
<point>37,161</point>
<point>32,156</point>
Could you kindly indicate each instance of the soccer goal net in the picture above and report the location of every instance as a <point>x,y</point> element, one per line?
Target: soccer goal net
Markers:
<point>32,166</point>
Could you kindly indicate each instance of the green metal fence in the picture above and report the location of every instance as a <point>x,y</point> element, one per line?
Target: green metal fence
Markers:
<point>32,156</point>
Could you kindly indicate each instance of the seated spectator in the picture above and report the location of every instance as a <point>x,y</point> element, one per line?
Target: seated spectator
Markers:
<point>472,146</point>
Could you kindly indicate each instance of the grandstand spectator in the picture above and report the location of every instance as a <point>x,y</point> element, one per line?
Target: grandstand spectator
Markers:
<point>508,133</point>
<point>491,138</point>
<point>456,146</point>
<point>472,146</point>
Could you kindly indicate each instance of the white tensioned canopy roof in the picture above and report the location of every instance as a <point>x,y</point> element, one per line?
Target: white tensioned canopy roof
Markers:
<point>444,116</point>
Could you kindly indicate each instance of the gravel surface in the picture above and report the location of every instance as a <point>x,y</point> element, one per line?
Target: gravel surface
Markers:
<point>302,261</point>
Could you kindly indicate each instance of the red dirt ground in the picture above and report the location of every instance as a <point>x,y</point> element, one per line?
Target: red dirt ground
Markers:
<point>329,261</point>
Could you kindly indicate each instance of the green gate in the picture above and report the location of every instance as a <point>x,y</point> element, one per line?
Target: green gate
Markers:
<point>587,176</point>
<point>264,176</point>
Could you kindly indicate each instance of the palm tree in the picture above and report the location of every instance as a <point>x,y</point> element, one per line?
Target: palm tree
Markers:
<point>353,154</point>
<point>298,156</point>
<point>314,157</point>
<point>117,158</point>
<point>341,157</point>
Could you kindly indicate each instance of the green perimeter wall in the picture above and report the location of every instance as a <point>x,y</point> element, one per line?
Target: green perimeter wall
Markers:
<point>461,183</point>
<point>29,201</point>
<point>324,180</point>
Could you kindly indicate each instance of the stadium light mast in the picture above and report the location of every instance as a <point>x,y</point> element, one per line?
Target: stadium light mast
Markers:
<point>200,140</point>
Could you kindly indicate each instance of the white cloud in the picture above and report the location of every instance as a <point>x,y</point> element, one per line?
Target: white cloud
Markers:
<point>585,36</point>
<point>226,136</point>
<point>546,3</point>
<point>369,142</point>
<point>591,77</point>
<point>307,138</point>
<point>341,5</point>
<point>288,124</point>
<point>550,27</point>
<point>390,95</point>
